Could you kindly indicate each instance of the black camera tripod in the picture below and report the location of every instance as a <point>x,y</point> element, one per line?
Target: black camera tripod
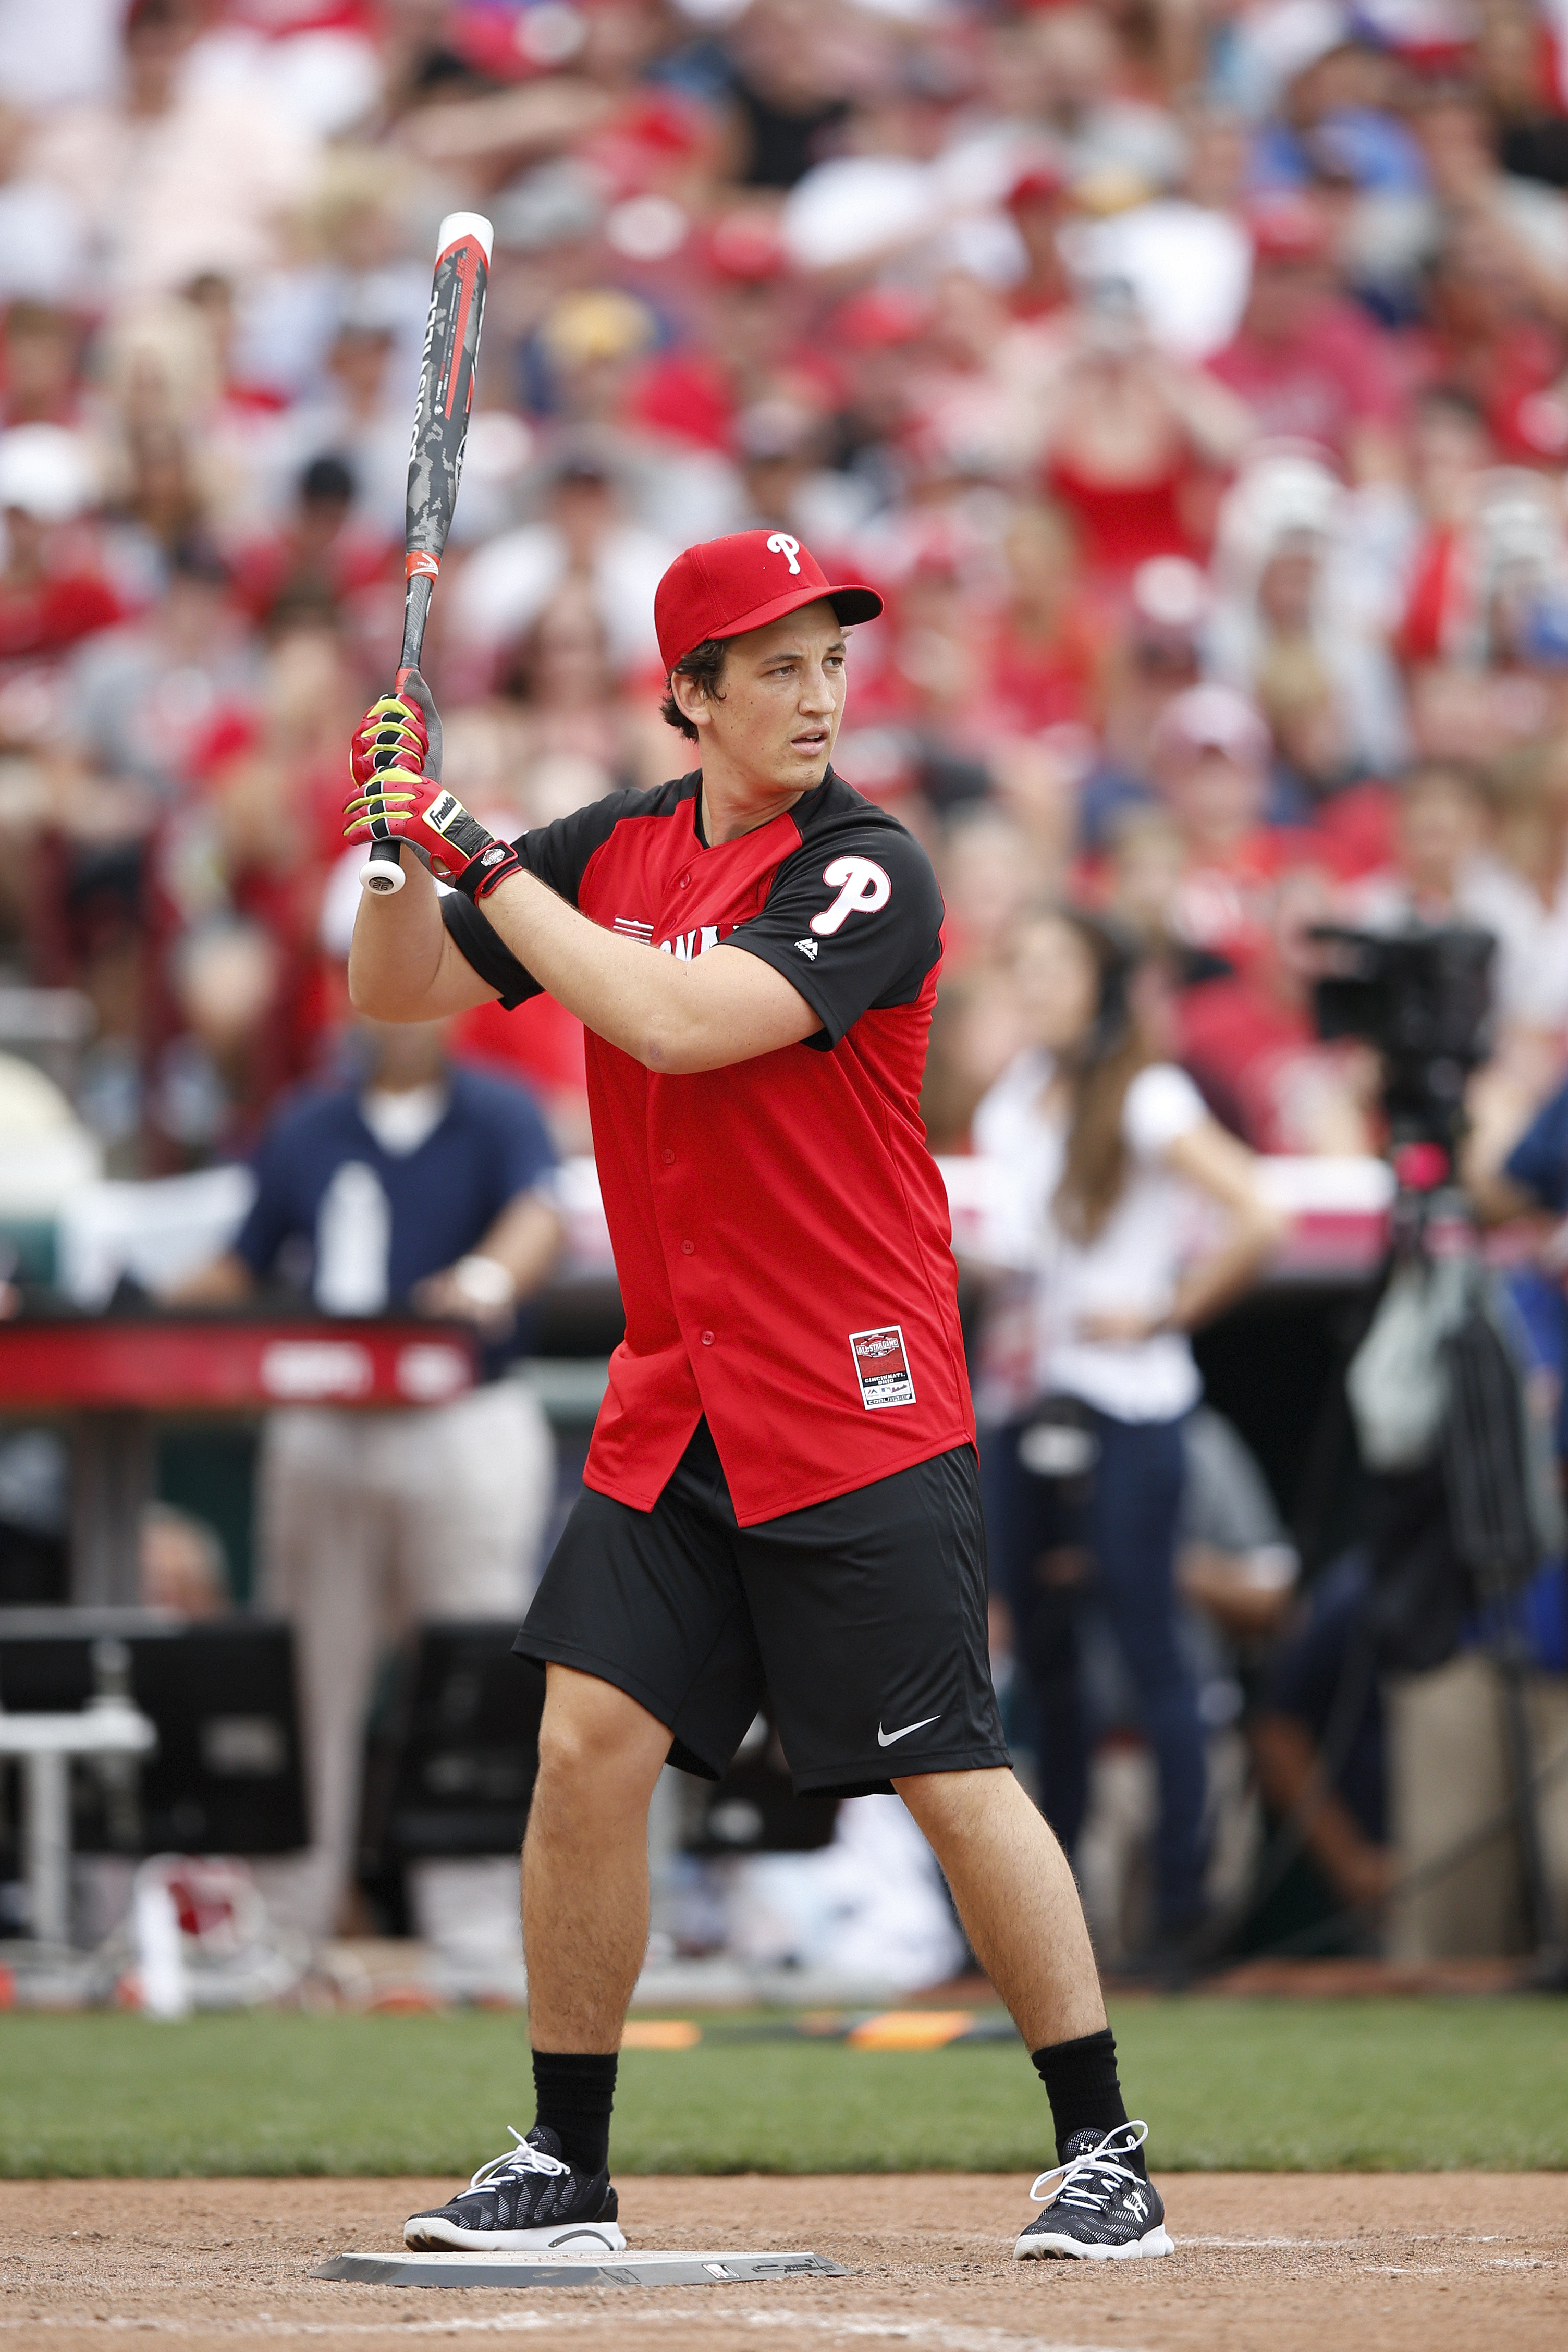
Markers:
<point>1486,1474</point>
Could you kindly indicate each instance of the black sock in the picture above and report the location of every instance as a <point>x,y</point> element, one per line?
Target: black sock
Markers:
<point>574,2095</point>
<point>1081,2086</point>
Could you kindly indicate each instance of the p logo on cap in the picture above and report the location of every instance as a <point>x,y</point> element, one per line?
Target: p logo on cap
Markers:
<point>723,587</point>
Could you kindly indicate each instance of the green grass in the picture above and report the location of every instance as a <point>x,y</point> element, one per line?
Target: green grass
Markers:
<point>1275,2085</point>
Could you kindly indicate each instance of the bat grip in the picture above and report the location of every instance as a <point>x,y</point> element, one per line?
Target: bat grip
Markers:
<point>383,871</point>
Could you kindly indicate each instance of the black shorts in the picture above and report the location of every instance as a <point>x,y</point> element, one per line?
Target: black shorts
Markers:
<point>863,1617</point>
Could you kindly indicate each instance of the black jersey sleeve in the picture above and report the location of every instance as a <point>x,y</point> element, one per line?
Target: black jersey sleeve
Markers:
<point>853,921</point>
<point>559,855</point>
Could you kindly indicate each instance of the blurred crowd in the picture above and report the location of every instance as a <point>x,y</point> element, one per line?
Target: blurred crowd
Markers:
<point>1190,374</point>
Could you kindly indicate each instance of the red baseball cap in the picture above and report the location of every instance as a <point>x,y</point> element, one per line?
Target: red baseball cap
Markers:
<point>882,319</point>
<point>745,244</point>
<point>1287,227</point>
<point>1036,182</point>
<point>723,587</point>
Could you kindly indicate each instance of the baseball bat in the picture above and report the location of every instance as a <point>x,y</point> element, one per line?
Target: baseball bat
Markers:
<point>435,460</point>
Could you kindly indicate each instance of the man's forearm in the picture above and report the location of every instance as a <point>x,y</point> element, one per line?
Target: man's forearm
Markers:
<point>1497,1198</point>
<point>399,949</point>
<point>613,985</point>
<point>526,1239</point>
<point>400,942</point>
<point>1288,1767</point>
<point>222,1282</point>
<point>671,1015</point>
<point>1214,1282</point>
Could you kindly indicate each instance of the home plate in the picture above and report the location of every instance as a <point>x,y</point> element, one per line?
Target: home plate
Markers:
<point>563,2269</point>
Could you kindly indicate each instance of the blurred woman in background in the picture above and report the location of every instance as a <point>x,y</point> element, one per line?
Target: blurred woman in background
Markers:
<point>559,682</point>
<point>1103,1155</point>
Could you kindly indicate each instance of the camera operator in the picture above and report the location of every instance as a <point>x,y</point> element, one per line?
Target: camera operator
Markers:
<point>1533,1176</point>
<point>1533,1183</point>
<point>1461,1502</point>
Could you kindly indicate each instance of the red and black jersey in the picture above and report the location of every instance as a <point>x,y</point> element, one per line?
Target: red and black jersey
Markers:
<point>781,1232</point>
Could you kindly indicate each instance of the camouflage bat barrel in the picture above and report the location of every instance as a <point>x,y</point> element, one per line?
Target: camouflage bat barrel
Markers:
<point>436,454</point>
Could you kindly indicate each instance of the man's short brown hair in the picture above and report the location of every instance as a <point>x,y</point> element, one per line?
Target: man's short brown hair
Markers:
<point>705,665</point>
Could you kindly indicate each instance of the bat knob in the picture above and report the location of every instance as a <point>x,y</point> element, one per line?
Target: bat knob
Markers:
<point>383,875</point>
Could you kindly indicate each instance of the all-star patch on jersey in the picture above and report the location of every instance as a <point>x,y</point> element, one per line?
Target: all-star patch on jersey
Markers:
<point>883,1367</point>
<point>769,1217</point>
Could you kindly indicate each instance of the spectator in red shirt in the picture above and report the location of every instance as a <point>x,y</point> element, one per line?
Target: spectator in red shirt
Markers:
<point>564,694</point>
<point>1154,656</point>
<point>1451,450</point>
<point>541,1044</point>
<point>1128,435</point>
<point>1210,766</point>
<point>52,593</point>
<point>1043,657</point>
<point>1308,364</point>
<point>1483,334</point>
<point>211,295</point>
<point>239,997</point>
<point>1035,204</point>
<point>1315,780</point>
<point>1438,832</point>
<point>741,346</point>
<point>877,337</point>
<point>936,689</point>
<point>324,553</point>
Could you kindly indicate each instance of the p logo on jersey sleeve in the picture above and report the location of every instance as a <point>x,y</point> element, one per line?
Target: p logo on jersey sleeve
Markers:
<point>863,888</point>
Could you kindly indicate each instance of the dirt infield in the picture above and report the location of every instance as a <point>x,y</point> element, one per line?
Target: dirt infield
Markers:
<point>1430,2262</point>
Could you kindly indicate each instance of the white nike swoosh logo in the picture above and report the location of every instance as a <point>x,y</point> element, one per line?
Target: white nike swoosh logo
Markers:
<point>886,1738</point>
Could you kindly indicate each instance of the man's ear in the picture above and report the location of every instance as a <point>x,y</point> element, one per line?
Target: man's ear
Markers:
<point>690,699</point>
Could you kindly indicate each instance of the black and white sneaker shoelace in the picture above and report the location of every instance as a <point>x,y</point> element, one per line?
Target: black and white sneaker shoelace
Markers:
<point>1099,2207</point>
<point>529,2200</point>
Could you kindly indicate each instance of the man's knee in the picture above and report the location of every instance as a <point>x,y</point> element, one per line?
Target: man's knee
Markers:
<point>941,1800</point>
<point>595,1737</point>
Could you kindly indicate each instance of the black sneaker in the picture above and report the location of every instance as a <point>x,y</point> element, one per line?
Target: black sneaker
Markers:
<point>1098,2209</point>
<point>530,2202</point>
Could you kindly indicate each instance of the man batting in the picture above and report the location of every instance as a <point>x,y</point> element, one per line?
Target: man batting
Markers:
<point>782,1486</point>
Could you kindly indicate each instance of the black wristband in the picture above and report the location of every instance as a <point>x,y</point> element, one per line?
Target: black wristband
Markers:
<point>481,874</point>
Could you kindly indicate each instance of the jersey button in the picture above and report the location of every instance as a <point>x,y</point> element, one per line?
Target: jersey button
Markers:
<point>708,1338</point>
<point>686,881</point>
<point>668,1159</point>
<point>687,1249</point>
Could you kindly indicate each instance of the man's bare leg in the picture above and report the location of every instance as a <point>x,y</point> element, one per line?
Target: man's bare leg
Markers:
<point>1018,1900</point>
<point>584,1862</point>
<point>585,1920</point>
<point>1019,1903</point>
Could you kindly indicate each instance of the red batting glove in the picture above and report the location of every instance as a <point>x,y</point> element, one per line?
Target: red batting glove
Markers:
<point>391,734</point>
<point>396,799</point>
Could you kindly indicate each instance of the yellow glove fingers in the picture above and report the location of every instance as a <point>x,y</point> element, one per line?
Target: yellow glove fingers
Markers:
<point>359,812</point>
<point>380,800</point>
<point>398,779</point>
<point>408,712</point>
